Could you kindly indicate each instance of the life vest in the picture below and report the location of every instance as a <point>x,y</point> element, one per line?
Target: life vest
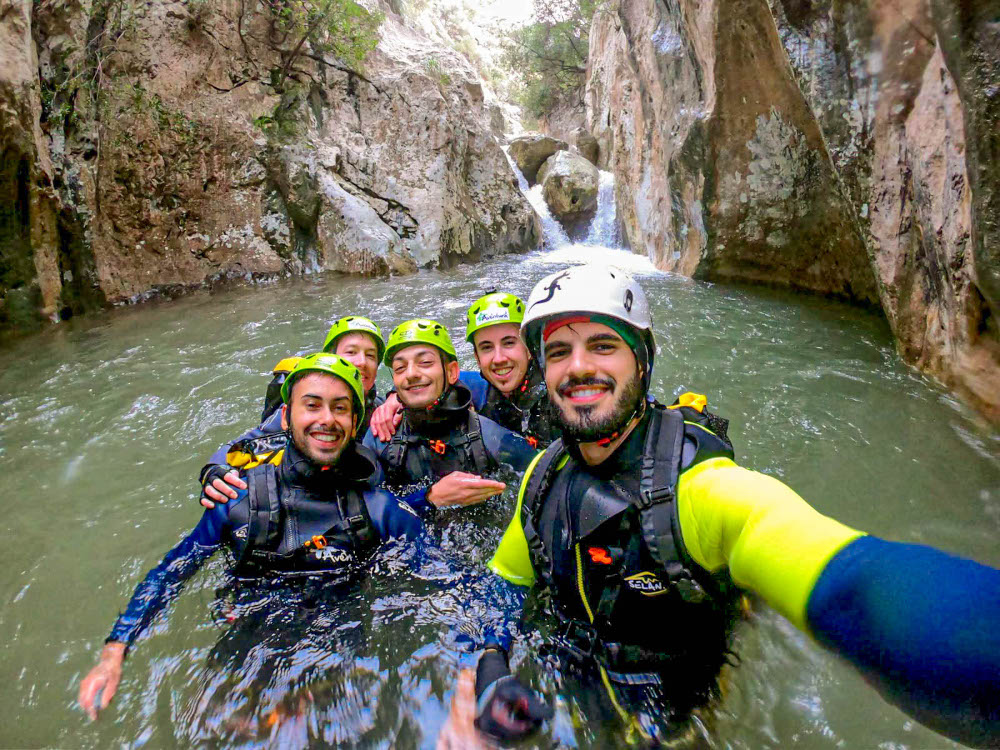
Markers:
<point>287,529</point>
<point>610,552</point>
<point>412,457</point>
<point>526,411</point>
<point>252,452</point>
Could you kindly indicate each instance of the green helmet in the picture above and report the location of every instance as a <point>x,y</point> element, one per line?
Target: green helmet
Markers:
<point>419,331</point>
<point>354,324</point>
<point>331,364</point>
<point>491,310</point>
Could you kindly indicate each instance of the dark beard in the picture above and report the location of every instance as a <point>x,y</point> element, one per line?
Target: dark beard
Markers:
<point>589,430</point>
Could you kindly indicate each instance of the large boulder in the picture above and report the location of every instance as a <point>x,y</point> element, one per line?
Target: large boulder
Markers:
<point>569,184</point>
<point>530,151</point>
<point>837,148</point>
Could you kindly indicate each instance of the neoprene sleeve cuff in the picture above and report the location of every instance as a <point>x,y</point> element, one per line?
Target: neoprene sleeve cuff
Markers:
<point>922,626</point>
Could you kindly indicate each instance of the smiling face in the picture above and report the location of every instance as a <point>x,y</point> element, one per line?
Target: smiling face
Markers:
<point>502,356</point>
<point>420,375</point>
<point>320,415</point>
<point>592,377</point>
<point>361,351</point>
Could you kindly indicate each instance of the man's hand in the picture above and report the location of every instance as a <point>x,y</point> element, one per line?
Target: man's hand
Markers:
<point>103,679</point>
<point>459,732</point>
<point>462,488</point>
<point>506,710</point>
<point>386,418</point>
<point>219,486</point>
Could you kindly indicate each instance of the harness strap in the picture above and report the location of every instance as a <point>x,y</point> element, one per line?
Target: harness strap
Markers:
<point>539,480</point>
<point>657,485</point>
<point>264,509</point>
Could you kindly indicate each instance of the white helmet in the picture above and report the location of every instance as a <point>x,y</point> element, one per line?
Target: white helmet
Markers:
<point>588,290</point>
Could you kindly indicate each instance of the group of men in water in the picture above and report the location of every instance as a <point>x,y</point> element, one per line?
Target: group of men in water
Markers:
<point>632,515</point>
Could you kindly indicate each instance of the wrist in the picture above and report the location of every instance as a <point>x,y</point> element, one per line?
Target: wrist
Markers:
<point>114,651</point>
<point>432,498</point>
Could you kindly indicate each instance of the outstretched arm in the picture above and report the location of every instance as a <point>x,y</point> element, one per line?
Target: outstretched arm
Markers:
<point>922,626</point>
<point>159,586</point>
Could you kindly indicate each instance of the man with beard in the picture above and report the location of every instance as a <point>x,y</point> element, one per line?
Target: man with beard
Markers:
<point>356,339</point>
<point>508,388</point>
<point>441,439</point>
<point>644,532</point>
<point>310,512</point>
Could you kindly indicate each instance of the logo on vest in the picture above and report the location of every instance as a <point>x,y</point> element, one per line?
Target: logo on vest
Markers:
<point>492,315</point>
<point>333,555</point>
<point>646,583</point>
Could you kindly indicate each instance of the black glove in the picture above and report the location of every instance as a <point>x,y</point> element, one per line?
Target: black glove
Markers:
<point>505,709</point>
<point>209,473</point>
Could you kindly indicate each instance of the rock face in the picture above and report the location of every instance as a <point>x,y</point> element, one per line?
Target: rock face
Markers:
<point>569,186</point>
<point>530,151</point>
<point>587,145</point>
<point>186,143</point>
<point>820,146</point>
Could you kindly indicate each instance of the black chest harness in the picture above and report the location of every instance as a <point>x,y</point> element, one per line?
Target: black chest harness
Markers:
<point>291,530</point>
<point>412,457</point>
<point>527,411</point>
<point>648,527</point>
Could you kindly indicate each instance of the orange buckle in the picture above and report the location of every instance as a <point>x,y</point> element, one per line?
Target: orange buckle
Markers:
<point>599,555</point>
<point>532,441</point>
<point>319,542</point>
<point>437,446</point>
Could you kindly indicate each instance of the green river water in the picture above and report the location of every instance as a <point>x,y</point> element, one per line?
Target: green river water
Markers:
<point>106,420</point>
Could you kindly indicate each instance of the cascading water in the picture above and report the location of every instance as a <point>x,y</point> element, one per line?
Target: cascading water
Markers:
<point>604,228</point>
<point>601,245</point>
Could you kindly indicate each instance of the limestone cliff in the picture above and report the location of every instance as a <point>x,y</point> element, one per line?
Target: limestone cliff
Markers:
<point>822,146</point>
<point>157,145</point>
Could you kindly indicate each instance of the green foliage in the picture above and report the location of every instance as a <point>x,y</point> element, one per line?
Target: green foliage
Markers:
<point>432,66</point>
<point>550,54</point>
<point>316,28</point>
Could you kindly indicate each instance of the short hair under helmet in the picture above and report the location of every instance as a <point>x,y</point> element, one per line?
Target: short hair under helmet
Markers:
<point>354,324</point>
<point>419,331</point>
<point>493,309</point>
<point>587,291</point>
<point>331,364</point>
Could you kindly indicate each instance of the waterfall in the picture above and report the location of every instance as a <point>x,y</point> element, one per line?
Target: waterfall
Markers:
<point>553,235</point>
<point>602,244</point>
<point>604,227</point>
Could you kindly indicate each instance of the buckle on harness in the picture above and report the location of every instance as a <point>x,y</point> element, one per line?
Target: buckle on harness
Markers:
<point>437,446</point>
<point>649,498</point>
<point>580,639</point>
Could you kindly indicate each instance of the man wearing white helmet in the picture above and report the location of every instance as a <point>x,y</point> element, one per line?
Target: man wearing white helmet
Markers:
<point>645,532</point>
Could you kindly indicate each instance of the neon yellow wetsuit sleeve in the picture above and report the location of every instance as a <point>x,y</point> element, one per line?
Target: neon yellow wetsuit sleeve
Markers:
<point>773,542</point>
<point>512,560</point>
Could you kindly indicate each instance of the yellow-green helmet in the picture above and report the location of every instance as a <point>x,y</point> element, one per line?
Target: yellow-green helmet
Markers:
<point>332,364</point>
<point>354,324</point>
<point>491,310</point>
<point>419,331</point>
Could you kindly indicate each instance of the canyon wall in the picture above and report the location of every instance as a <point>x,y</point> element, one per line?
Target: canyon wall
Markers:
<point>153,146</point>
<point>842,148</point>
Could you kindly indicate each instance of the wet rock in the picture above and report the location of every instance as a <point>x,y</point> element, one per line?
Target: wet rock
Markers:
<point>569,184</point>
<point>530,151</point>
<point>819,146</point>
<point>587,145</point>
<point>211,158</point>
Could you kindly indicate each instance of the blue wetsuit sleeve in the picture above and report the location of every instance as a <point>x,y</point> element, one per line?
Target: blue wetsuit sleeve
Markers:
<point>922,626</point>
<point>505,446</point>
<point>478,386</point>
<point>270,425</point>
<point>391,516</point>
<point>419,502</point>
<point>164,582</point>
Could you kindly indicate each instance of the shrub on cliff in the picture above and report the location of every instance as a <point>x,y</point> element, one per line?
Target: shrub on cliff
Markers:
<point>550,54</point>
